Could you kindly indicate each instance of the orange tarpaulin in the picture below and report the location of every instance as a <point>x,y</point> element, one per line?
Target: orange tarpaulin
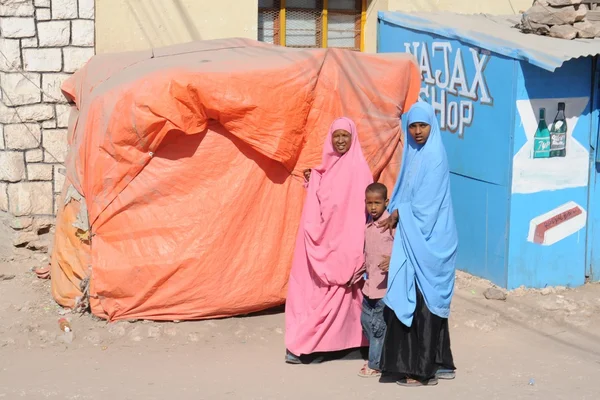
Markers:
<point>186,165</point>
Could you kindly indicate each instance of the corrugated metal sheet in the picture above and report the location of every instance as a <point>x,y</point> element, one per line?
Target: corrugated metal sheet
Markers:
<point>496,34</point>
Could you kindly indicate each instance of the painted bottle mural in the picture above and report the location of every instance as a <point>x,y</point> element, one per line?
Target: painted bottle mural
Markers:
<point>541,139</point>
<point>558,133</point>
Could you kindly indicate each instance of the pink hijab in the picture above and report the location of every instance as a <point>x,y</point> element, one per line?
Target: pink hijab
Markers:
<point>322,313</point>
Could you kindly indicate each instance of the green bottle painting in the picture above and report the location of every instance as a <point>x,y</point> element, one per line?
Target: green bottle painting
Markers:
<point>541,139</point>
<point>558,133</point>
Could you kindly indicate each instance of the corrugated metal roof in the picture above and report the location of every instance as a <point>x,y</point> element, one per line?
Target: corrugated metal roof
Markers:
<point>496,34</point>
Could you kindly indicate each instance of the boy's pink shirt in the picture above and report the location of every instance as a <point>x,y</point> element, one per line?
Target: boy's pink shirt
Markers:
<point>377,245</point>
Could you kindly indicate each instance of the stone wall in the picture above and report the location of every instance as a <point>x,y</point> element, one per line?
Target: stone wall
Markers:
<point>41,43</point>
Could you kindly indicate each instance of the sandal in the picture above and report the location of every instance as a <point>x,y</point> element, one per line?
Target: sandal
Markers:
<point>366,372</point>
<point>408,382</point>
<point>446,374</point>
<point>291,358</point>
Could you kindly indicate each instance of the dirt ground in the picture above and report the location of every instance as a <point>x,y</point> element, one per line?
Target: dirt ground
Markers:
<point>534,345</point>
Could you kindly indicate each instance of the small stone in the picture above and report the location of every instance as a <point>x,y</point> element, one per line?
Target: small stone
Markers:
<point>63,115</point>
<point>154,332</point>
<point>17,27</point>
<point>59,179</point>
<point>27,198</point>
<point>21,223</point>
<point>54,33</point>
<point>51,85</point>
<point>12,166</point>
<point>64,9</point>
<point>83,33</point>
<point>94,338</point>
<point>545,15</point>
<point>193,337</point>
<point>42,225</point>
<point>170,331</point>
<point>42,3</point>
<point>22,136</point>
<point>42,60</point>
<point>39,172</point>
<point>50,124</point>
<point>55,145</point>
<point>546,291</point>
<point>36,155</point>
<point>16,8</point>
<point>581,12</point>
<point>29,43</point>
<point>76,57</point>
<point>11,50</point>
<point>38,245</point>
<point>21,88</point>
<point>135,335</point>
<point>587,30</point>
<point>23,238</point>
<point>116,329</point>
<point>43,14</point>
<point>567,32</point>
<point>494,294</point>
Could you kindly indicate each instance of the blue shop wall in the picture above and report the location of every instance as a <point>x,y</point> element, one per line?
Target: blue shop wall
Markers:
<point>549,202</point>
<point>593,228</point>
<point>473,94</point>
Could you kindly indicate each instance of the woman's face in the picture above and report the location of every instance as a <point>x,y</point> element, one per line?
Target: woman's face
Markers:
<point>420,132</point>
<point>341,140</point>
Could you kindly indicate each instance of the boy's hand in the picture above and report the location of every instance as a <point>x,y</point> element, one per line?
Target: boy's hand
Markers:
<point>385,264</point>
<point>307,175</point>
<point>390,223</point>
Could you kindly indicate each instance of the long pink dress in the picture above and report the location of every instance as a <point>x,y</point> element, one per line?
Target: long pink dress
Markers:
<point>322,314</point>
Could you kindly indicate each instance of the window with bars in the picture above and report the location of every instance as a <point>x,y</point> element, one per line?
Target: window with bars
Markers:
<point>312,23</point>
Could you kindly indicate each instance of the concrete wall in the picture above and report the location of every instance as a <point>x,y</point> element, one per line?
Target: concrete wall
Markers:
<point>141,24</point>
<point>42,43</point>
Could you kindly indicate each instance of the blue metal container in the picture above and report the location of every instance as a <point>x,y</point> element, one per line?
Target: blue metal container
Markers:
<point>524,218</point>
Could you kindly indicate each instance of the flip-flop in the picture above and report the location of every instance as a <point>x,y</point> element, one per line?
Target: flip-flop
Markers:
<point>413,383</point>
<point>445,374</point>
<point>366,372</point>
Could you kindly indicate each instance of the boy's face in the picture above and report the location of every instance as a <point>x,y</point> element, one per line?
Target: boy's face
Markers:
<point>376,204</point>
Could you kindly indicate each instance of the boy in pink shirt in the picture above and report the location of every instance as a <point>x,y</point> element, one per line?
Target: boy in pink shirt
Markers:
<point>378,249</point>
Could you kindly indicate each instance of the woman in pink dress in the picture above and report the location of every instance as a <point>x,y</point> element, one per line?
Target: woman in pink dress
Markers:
<point>323,305</point>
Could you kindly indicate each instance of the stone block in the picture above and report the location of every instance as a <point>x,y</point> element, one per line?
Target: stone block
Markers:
<point>86,9</point>
<point>17,27</point>
<point>39,172</point>
<point>54,33</point>
<point>63,114</point>
<point>51,84</point>
<point>2,137</point>
<point>59,178</point>
<point>545,15</point>
<point>43,14</point>
<point>12,55</point>
<point>55,145</point>
<point>21,223</point>
<point>587,30</point>
<point>30,198</point>
<point>12,166</point>
<point>22,136</point>
<point>50,124</point>
<point>16,8</point>
<point>563,32</point>
<point>3,197</point>
<point>82,32</point>
<point>29,43</point>
<point>581,12</point>
<point>21,88</point>
<point>64,9</point>
<point>76,57</point>
<point>42,60</point>
<point>36,155</point>
<point>30,113</point>
<point>42,3</point>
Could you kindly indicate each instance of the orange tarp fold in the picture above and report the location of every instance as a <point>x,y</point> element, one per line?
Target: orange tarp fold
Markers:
<point>189,162</point>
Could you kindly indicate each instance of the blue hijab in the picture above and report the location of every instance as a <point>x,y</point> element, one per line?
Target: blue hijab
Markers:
<point>424,251</point>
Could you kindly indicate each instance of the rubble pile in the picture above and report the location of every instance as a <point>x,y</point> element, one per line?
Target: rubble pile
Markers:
<point>564,19</point>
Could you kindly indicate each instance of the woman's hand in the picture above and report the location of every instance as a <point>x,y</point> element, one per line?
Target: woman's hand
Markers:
<point>307,175</point>
<point>390,223</point>
<point>384,265</point>
<point>357,277</point>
